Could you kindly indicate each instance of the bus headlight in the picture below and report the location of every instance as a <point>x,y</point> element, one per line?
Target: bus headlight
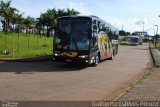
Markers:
<point>83,56</point>
<point>56,54</point>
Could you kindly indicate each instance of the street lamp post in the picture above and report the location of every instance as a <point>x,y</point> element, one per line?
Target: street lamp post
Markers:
<point>153,32</point>
<point>143,26</point>
<point>156,36</point>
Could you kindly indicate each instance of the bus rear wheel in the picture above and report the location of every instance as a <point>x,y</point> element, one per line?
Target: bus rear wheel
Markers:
<point>111,58</point>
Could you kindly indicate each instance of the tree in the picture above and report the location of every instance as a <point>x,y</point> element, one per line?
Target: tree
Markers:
<point>38,25</point>
<point>48,20</point>
<point>156,39</point>
<point>134,33</point>
<point>19,21</point>
<point>29,21</point>
<point>50,17</point>
<point>72,12</point>
<point>8,13</point>
<point>122,33</point>
<point>5,13</point>
<point>42,22</point>
<point>61,12</point>
<point>128,33</point>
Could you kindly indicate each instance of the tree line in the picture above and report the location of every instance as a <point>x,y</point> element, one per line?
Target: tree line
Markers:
<point>13,21</point>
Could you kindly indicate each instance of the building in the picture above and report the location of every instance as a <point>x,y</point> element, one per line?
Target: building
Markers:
<point>140,33</point>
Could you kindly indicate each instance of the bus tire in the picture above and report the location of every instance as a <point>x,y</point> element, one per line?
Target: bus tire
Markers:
<point>96,60</point>
<point>111,58</point>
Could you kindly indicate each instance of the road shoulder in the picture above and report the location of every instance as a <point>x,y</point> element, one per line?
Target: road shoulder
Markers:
<point>148,86</point>
<point>147,89</point>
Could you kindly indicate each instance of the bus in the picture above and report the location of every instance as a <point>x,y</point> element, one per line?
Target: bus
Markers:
<point>86,39</point>
<point>134,40</point>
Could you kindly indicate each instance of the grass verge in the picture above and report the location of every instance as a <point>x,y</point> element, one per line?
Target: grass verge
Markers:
<point>23,46</point>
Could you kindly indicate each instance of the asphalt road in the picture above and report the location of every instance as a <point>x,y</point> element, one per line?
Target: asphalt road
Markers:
<point>50,81</point>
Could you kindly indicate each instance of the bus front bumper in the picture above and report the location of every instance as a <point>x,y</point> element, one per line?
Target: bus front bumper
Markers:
<point>82,58</point>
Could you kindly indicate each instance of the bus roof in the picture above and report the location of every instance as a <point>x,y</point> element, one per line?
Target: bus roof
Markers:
<point>74,16</point>
<point>135,36</point>
<point>92,17</point>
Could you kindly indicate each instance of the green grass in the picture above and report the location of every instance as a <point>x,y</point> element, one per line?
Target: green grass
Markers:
<point>121,42</point>
<point>158,46</point>
<point>35,48</point>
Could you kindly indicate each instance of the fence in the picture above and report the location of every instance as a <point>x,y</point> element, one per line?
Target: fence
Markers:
<point>23,45</point>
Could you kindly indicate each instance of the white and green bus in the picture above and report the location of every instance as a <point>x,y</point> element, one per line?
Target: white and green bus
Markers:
<point>134,40</point>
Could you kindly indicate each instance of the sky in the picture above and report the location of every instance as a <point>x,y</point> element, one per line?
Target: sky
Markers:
<point>131,14</point>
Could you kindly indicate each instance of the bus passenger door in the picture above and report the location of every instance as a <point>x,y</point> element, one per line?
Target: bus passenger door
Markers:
<point>94,40</point>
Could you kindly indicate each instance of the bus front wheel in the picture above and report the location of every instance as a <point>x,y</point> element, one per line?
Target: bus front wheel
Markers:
<point>96,60</point>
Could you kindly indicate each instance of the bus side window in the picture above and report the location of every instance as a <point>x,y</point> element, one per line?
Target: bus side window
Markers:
<point>111,33</point>
<point>104,28</point>
<point>95,34</point>
<point>100,26</point>
<point>94,22</point>
<point>95,28</point>
<point>107,30</point>
<point>95,41</point>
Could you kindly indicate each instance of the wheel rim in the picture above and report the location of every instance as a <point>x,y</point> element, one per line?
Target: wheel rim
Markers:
<point>112,56</point>
<point>97,60</point>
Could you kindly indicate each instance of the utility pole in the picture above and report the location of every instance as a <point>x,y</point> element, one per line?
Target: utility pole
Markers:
<point>153,32</point>
<point>156,36</point>
<point>122,27</point>
<point>143,27</point>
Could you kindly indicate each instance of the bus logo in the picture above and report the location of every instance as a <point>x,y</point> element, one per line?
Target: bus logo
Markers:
<point>69,54</point>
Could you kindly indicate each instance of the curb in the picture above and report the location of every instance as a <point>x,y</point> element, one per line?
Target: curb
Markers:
<point>34,59</point>
<point>155,53</point>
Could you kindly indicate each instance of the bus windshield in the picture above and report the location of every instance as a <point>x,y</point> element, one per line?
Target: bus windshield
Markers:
<point>134,40</point>
<point>73,35</point>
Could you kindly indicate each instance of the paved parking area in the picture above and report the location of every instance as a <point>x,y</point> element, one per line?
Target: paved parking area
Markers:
<point>50,81</point>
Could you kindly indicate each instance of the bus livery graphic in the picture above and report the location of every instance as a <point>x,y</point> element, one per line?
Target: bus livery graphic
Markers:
<point>103,44</point>
<point>69,54</point>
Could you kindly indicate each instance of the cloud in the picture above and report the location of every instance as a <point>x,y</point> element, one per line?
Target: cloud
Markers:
<point>130,13</point>
<point>79,6</point>
<point>140,22</point>
<point>149,29</point>
<point>29,8</point>
<point>117,22</point>
<point>129,24</point>
<point>34,8</point>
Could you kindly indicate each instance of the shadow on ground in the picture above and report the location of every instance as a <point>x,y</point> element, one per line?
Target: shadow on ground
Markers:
<point>44,66</point>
